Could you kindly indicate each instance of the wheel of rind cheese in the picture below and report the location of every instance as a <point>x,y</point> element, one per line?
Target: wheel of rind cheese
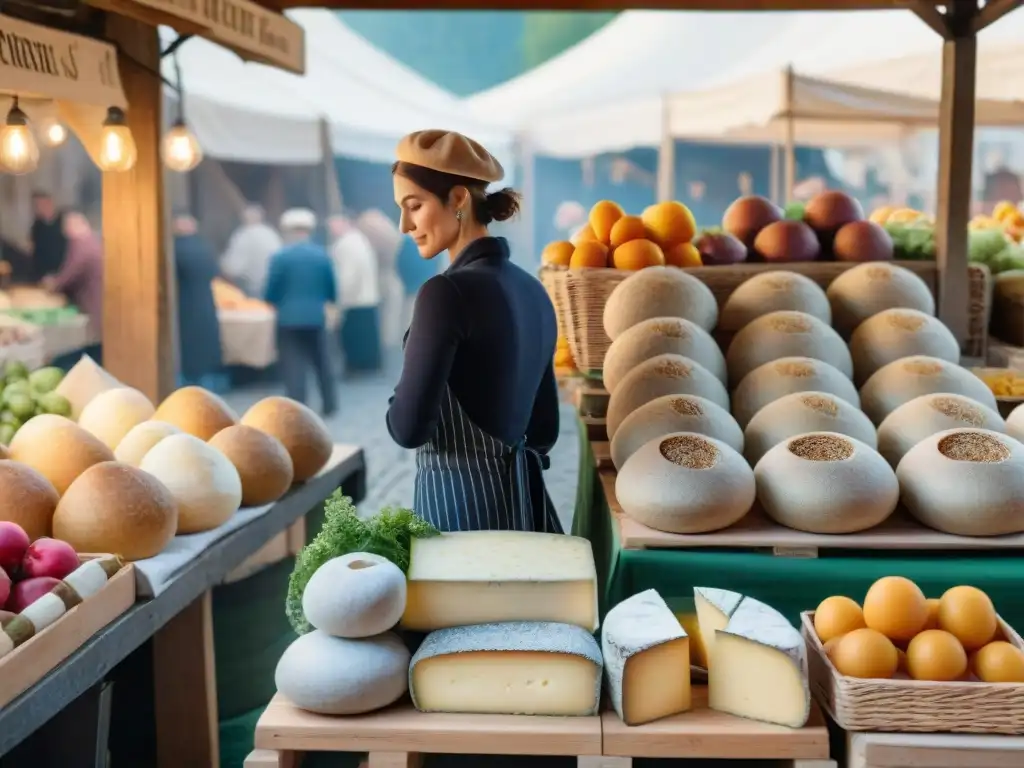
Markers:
<point>659,292</point>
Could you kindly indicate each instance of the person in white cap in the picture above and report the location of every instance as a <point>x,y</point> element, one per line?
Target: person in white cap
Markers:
<point>249,250</point>
<point>300,282</point>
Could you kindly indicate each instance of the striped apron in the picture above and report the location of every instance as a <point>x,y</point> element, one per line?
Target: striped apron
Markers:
<point>467,480</point>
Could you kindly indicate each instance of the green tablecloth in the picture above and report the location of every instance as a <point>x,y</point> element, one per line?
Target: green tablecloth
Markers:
<point>791,585</point>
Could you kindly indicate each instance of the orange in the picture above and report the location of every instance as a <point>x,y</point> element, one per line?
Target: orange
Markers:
<point>558,253</point>
<point>999,662</point>
<point>865,653</point>
<point>1003,210</point>
<point>637,254</point>
<point>881,215</point>
<point>561,343</point>
<point>896,607</point>
<point>628,228</point>
<point>936,655</point>
<point>683,255</point>
<point>602,218</point>
<point>933,613</point>
<point>586,233</point>
<point>563,359</point>
<point>670,222</point>
<point>836,616</point>
<point>968,614</point>
<point>589,253</point>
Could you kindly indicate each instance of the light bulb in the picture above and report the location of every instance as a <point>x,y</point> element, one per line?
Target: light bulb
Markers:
<point>19,153</point>
<point>117,145</point>
<point>181,150</point>
<point>54,134</point>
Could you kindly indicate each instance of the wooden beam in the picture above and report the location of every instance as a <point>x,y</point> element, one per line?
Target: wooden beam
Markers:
<point>932,16</point>
<point>992,11</point>
<point>138,313</point>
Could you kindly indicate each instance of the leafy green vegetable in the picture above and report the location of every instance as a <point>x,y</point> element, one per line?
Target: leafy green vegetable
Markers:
<point>389,534</point>
<point>794,211</point>
<point>913,241</point>
<point>985,245</point>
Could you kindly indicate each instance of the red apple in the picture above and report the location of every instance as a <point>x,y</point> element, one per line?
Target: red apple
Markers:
<point>49,557</point>
<point>13,543</point>
<point>5,586</point>
<point>28,591</point>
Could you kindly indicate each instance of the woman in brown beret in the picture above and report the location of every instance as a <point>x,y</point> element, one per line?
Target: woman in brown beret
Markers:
<point>477,398</point>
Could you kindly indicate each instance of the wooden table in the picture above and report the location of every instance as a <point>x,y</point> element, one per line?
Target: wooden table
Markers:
<point>180,623</point>
<point>933,750</point>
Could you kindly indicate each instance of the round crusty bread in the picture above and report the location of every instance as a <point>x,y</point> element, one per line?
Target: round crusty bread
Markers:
<point>196,411</point>
<point>26,498</point>
<point>302,433</point>
<point>58,449</point>
<point>115,508</point>
<point>263,464</point>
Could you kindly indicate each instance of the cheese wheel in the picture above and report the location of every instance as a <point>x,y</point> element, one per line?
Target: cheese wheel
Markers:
<point>674,413</point>
<point>897,333</point>
<point>685,483</point>
<point>659,376</point>
<point>867,289</point>
<point>802,412</point>
<point>785,376</point>
<point>338,676</point>
<point>140,439</point>
<point>355,595</point>
<point>967,482</point>
<point>1015,423</point>
<point>26,498</point>
<point>263,464</point>
<point>112,414</point>
<point>659,336</point>
<point>302,433</point>
<point>913,421</point>
<point>116,508</point>
<point>58,449</point>
<point>202,481</point>
<point>825,482</point>
<point>659,292</point>
<point>772,292</point>
<point>901,381</point>
<point>785,334</point>
<point>196,411</point>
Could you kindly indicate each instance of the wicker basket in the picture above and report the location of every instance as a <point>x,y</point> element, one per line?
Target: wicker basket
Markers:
<point>579,296</point>
<point>913,706</point>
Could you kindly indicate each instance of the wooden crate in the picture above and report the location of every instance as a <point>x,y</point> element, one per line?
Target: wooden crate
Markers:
<point>933,750</point>
<point>30,662</point>
<point>705,733</point>
<point>398,737</point>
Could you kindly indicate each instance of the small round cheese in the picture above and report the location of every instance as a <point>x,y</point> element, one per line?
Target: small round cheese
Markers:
<point>785,334</point>
<point>355,595</point>
<point>771,292</point>
<point>802,412</point>
<point>26,498</point>
<point>898,333</point>
<point>302,433</point>
<point>685,483</point>
<point>785,376</point>
<point>660,336</point>
<point>1015,423</point>
<point>58,449</point>
<point>967,482</point>
<point>874,287</point>
<point>913,421</point>
<point>658,376</point>
<point>196,411</point>
<point>112,414</point>
<point>674,413</point>
<point>263,464</point>
<point>140,439</point>
<point>825,482</point>
<point>659,292</point>
<point>338,676</point>
<point>901,381</point>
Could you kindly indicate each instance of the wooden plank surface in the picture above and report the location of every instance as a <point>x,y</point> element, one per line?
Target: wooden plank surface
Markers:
<point>757,530</point>
<point>705,733</point>
<point>934,750</point>
<point>402,729</point>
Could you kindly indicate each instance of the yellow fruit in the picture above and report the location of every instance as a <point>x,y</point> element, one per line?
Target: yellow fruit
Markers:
<point>586,233</point>
<point>999,662</point>
<point>881,215</point>
<point>589,253</point>
<point>831,645</point>
<point>936,655</point>
<point>670,223</point>
<point>865,653</point>
<point>561,343</point>
<point>933,614</point>
<point>683,255</point>
<point>836,616</point>
<point>564,359</point>
<point>904,216</point>
<point>901,660</point>
<point>558,253</point>
<point>896,607</point>
<point>602,218</point>
<point>1003,210</point>
<point>967,613</point>
<point>637,254</point>
<point>628,228</point>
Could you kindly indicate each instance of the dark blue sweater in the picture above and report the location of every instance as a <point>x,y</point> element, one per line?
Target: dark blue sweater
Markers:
<point>486,328</point>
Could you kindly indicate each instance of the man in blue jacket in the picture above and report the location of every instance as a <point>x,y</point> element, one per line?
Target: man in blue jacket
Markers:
<point>300,282</point>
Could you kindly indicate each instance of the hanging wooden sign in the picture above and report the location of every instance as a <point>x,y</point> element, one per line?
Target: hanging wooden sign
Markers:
<point>39,62</point>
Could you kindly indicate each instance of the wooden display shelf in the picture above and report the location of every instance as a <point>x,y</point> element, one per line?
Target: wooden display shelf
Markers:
<point>705,733</point>
<point>399,736</point>
<point>933,750</point>
<point>593,400</point>
<point>758,531</point>
<point>597,431</point>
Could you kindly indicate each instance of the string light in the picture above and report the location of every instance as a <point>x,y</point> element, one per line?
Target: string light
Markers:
<point>117,145</point>
<point>180,149</point>
<point>53,133</point>
<point>19,153</point>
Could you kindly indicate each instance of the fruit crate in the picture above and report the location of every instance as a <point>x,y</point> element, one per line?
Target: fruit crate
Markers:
<point>913,706</point>
<point>579,296</point>
<point>1005,403</point>
<point>31,661</point>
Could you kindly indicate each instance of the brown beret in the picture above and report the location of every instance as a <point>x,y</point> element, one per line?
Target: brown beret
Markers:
<point>449,152</point>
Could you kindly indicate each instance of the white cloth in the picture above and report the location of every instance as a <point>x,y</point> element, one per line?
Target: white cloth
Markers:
<point>247,256</point>
<point>355,267</point>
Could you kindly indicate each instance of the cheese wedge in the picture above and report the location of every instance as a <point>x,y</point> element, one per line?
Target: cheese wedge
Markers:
<point>513,668</point>
<point>758,667</point>
<point>714,607</point>
<point>480,577</point>
<point>646,659</point>
<point>690,624</point>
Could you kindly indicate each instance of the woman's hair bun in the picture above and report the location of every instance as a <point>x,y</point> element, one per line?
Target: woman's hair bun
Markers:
<point>503,204</point>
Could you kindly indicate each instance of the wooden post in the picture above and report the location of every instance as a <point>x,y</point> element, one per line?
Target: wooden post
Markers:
<point>138,314</point>
<point>956,150</point>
